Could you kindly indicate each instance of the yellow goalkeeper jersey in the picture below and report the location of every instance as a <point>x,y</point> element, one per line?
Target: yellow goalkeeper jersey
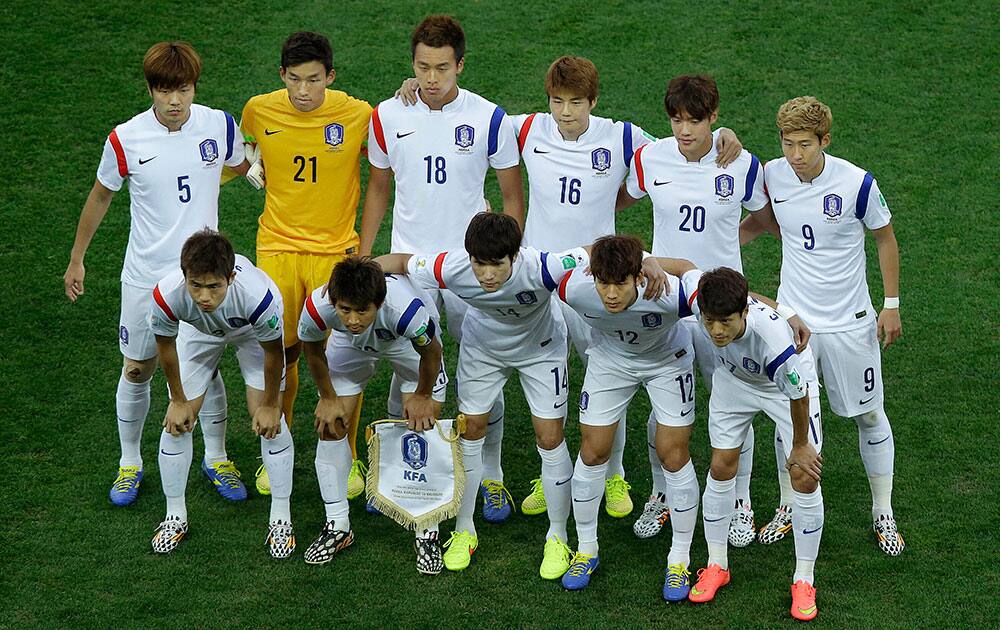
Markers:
<point>312,169</point>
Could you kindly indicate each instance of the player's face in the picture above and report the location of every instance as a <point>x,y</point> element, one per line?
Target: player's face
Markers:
<point>437,70</point>
<point>172,106</point>
<point>694,135</point>
<point>571,112</point>
<point>617,296</point>
<point>357,319</point>
<point>491,274</point>
<point>723,330</point>
<point>804,152</point>
<point>208,290</point>
<point>306,84</point>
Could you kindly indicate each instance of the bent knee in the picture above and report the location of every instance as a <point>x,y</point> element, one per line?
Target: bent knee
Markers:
<point>802,482</point>
<point>673,458</point>
<point>868,420</point>
<point>725,467</point>
<point>138,371</point>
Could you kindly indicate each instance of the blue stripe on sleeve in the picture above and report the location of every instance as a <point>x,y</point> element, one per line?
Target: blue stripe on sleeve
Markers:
<point>261,307</point>
<point>230,135</point>
<point>861,207</point>
<point>683,309</point>
<point>547,280</point>
<point>494,136</point>
<point>773,366</point>
<point>751,177</point>
<point>627,144</point>
<point>408,314</point>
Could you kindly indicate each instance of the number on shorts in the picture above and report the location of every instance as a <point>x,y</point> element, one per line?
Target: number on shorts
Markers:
<point>563,382</point>
<point>686,383</point>
<point>869,379</point>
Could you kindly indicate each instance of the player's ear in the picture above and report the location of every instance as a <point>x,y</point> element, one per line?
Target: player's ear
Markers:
<point>281,72</point>
<point>460,66</point>
<point>713,117</point>
<point>331,76</point>
<point>232,277</point>
<point>593,103</point>
<point>824,142</point>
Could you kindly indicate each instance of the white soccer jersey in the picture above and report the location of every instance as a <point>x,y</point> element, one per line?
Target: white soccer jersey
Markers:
<point>252,304</point>
<point>823,241</point>
<point>439,159</point>
<point>573,185</point>
<point>697,206</point>
<point>407,314</point>
<point>173,184</point>
<point>515,321</point>
<point>645,332</point>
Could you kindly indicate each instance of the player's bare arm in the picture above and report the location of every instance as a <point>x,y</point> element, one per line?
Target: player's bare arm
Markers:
<point>728,147</point>
<point>624,200</point>
<point>329,408</point>
<point>419,409</point>
<point>376,204</point>
<point>756,223</point>
<point>800,332</point>
<point>267,414</point>
<point>512,190</point>
<point>889,325</point>
<point>394,263</point>
<point>803,455</point>
<point>181,412</point>
<point>93,213</point>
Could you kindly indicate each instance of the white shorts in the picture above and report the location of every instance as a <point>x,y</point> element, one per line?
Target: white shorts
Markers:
<point>611,383</point>
<point>544,380</point>
<point>135,338</point>
<point>733,405</point>
<point>199,355</point>
<point>704,349</point>
<point>351,368</point>
<point>850,366</point>
<point>578,329</point>
<point>454,308</point>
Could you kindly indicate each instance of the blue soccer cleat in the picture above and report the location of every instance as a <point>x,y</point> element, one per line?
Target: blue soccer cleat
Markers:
<point>677,584</point>
<point>125,489</point>
<point>370,508</point>
<point>497,502</point>
<point>580,569</point>
<point>226,479</point>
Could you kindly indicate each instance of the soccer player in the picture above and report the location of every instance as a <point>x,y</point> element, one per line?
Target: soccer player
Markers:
<point>172,154</point>
<point>697,204</point>
<point>436,153</point>
<point>760,371</point>
<point>637,341</point>
<point>822,205</point>
<point>310,141</point>
<point>364,316</point>
<point>215,300</point>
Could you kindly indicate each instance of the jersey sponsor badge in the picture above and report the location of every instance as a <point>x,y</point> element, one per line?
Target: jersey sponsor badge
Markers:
<point>384,335</point>
<point>274,322</point>
<point>751,366</point>
<point>421,263</point>
<point>422,338</point>
<point>333,134</point>
<point>832,206</point>
<point>881,201</point>
<point>237,322</point>
<point>123,335</point>
<point>600,159</point>
<point>584,400</point>
<point>568,262</point>
<point>465,136</point>
<point>209,149</point>
<point>793,377</point>
<point>651,320</point>
<point>526,297</point>
<point>724,186</point>
<point>414,451</point>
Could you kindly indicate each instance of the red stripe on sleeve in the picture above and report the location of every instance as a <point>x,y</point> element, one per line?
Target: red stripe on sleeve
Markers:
<point>694,296</point>
<point>379,134</point>
<point>638,168</point>
<point>163,303</point>
<point>311,307</point>
<point>116,144</point>
<point>562,286</point>
<point>438,264</point>
<point>522,137</point>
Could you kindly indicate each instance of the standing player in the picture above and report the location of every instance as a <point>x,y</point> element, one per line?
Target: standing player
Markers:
<point>172,154</point>
<point>310,141</point>
<point>216,300</point>
<point>761,371</point>
<point>697,206</point>
<point>364,316</point>
<point>437,154</point>
<point>822,205</point>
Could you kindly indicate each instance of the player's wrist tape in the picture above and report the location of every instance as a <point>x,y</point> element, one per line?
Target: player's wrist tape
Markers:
<point>891,302</point>
<point>256,175</point>
<point>786,312</point>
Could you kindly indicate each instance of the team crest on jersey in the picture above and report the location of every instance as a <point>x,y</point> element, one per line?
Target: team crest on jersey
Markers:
<point>600,159</point>
<point>526,297</point>
<point>724,185</point>
<point>651,320</point>
<point>832,206</point>
<point>123,335</point>
<point>751,366</point>
<point>584,400</point>
<point>384,334</point>
<point>414,451</point>
<point>209,150</point>
<point>465,136</point>
<point>333,134</point>
<point>237,322</point>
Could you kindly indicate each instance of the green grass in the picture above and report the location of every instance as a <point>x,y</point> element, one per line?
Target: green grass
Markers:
<point>913,89</point>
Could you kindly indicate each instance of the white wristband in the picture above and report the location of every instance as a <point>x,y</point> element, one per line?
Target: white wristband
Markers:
<point>786,312</point>
<point>891,302</point>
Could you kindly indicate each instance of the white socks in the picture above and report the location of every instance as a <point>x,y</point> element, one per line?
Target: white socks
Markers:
<point>557,472</point>
<point>878,450</point>
<point>745,468</point>
<point>472,458</point>
<point>333,465</point>
<point>492,468</point>
<point>682,499</point>
<point>175,464</point>
<point>717,510</point>
<point>132,405</point>
<point>279,456</point>
<point>212,419</point>
<point>588,488</point>
<point>807,528</point>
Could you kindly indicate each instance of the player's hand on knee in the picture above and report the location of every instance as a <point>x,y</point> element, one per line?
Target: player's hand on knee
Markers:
<point>807,460</point>
<point>73,280</point>
<point>728,147</point>
<point>407,92</point>
<point>800,332</point>
<point>654,279</point>
<point>180,418</point>
<point>328,411</point>
<point>889,326</point>
<point>267,422</point>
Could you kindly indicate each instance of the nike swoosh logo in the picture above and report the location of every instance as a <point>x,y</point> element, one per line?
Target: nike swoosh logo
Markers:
<point>124,420</point>
<point>811,531</point>
<point>659,183</point>
<point>490,424</point>
<point>713,520</point>
<point>171,454</point>
<point>332,502</point>
<point>537,151</point>
<point>591,316</point>
<point>865,402</point>
<point>565,481</point>
<point>780,200</point>
<point>281,451</point>
<point>688,412</point>
<point>142,161</point>
<point>870,443</point>
<point>546,342</point>
<point>403,135</point>
<point>562,404</point>
<point>807,611</point>
<point>268,132</point>
<point>678,511</point>
<point>585,500</point>
<point>746,451</point>
<point>219,421</point>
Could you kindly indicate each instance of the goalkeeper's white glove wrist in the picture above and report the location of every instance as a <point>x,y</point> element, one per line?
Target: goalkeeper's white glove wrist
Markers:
<point>256,175</point>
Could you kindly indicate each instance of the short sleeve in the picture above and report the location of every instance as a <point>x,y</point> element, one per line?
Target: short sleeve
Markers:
<point>427,272</point>
<point>687,293</point>
<point>415,323</point>
<point>378,152</point>
<point>755,197</point>
<point>312,325</point>
<point>235,152</point>
<point>635,183</point>
<point>266,318</point>
<point>113,169</point>
<point>502,141</point>
<point>640,137</point>
<point>248,122</point>
<point>162,320</point>
<point>786,374</point>
<point>877,213</point>
<point>556,266</point>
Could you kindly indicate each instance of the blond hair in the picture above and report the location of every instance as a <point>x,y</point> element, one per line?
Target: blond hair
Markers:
<point>805,113</point>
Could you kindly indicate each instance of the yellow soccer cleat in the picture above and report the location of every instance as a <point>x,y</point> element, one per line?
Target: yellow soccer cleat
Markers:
<point>534,503</point>
<point>262,481</point>
<point>356,479</point>
<point>617,502</point>
<point>459,550</point>
<point>555,559</point>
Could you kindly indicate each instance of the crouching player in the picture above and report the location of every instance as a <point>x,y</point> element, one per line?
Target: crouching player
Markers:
<point>215,300</point>
<point>760,372</point>
<point>367,316</point>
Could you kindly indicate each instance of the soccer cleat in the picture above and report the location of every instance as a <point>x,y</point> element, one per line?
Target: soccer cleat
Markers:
<point>327,544</point>
<point>459,547</point>
<point>617,502</point>
<point>226,479</point>
<point>370,508</point>
<point>780,525</point>
<point>497,502</point>
<point>888,535</point>
<point>534,503</point>
<point>356,479</point>
<point>803,601</point>
<point>581,567</point>
<point>125,489</point>
<point>654,516</point>
<point>280,539</point>
<point>710,580</point>
<point>169,534</point>
<point>429,558</point>
<point>677,584</point>
<point>742,530</point>
<point>555,559</point>
<point>262,481</point>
